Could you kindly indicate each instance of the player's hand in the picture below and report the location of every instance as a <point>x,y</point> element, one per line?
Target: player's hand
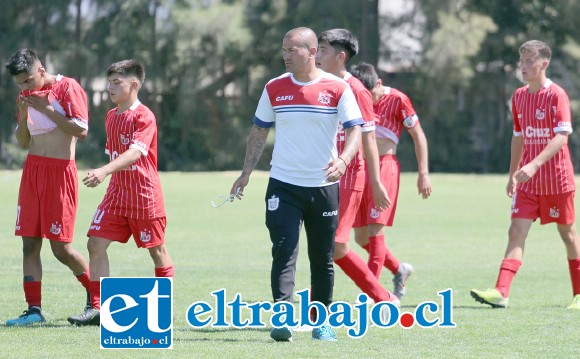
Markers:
<point>381,197</point>
<point>239,185</point>
<point>39,102</point>
<point>334,170</point>
<point>94,178</point>
<point>525,173</point>
<point>424,185</point>
<point>22,104</point>
<point>511,187</point>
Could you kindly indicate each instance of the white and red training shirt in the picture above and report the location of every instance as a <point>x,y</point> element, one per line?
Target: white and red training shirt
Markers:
<point>306,116</point>
<point>538,117</point>
<point>67,97</point>
<point>394,111</point>
<point>354,176</point>
<point>134,192</point>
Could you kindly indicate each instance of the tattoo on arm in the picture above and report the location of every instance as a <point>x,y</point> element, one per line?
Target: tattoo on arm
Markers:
<point>256,143</point>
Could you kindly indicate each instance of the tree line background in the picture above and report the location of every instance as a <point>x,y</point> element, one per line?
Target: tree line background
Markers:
<point>208,60</point>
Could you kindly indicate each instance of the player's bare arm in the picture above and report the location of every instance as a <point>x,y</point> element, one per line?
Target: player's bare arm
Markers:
<point>40,103</point>
<point>256,143</point>
<point>554,146</point>
<point>336,168</point>
<point>422,154</point>
<point>96,176</point>
<point>23,136</point>
<point>517,148</point>
<point>380,195</point>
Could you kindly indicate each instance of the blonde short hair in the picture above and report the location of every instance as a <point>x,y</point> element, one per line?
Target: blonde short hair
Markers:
<point>537,47</point>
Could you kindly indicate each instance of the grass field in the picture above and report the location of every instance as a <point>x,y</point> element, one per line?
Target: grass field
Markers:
<point>455,240</point>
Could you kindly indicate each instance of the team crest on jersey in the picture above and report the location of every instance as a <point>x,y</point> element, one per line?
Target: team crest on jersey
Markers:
<point>125,139</point>
<point>56,228</point>
<point>410,121</point>
<point>374,213</point>
<point>324,98</point>
<point>554,212</point>
<point>273,203</point>
<point>540,114</point>
<point>145,236</point>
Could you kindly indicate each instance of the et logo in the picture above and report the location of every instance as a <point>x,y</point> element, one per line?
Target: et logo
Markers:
<point>136,313</point>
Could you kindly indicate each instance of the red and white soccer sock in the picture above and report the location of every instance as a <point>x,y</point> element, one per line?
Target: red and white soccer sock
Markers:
<point>33,293</point>
<point>357,270</point>
<point>507,271</point>
<point>164,272</point>
<point>574,266</point>
<point>377,251</point>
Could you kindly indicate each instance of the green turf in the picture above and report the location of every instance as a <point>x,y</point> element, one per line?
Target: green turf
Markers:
<point>455,239</point>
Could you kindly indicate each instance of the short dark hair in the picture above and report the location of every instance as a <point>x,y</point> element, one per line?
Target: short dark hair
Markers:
<point>342,40</point>
<point>128,68</point>
<point>366,73</point>
<point>22,62</point>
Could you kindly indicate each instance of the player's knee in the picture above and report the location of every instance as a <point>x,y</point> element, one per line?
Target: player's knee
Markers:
<point>60,251</point>
<point>31,248</point>
<point>516,233</point>
<point>92,247</point>
<point>96,247</point>
<point>340,250</point>
<point>361,240</point>
<point>568,233</point>
<point>158,252</point>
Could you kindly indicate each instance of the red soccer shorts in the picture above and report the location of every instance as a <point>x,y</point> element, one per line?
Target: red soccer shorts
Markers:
<point>48,199</point>
<point>349,204</point>
<point>147,233</point>
<point>558,208</point>
<point>390,177</point>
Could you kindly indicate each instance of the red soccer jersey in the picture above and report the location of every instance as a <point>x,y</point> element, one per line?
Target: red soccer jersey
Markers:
<point>538,117</point>
<point>354,177</point>
<point>394,111</point>
<point>67,97</point>
<point>134,192</point>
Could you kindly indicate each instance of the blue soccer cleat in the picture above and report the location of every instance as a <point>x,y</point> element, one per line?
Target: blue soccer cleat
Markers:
<point>324,332</point>
<point>30,316</point>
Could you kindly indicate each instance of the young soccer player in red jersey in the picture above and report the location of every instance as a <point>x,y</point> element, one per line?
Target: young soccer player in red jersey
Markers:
<point>336,47</point>
<point>133,203</point>
<point>393,111</point>
<point>541,178</point>
<point>52,114</point>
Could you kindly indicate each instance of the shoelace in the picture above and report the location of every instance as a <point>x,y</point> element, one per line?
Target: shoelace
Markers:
<point>27,312</point>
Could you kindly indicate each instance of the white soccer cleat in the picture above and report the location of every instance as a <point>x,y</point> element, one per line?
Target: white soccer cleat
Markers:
<point>399,280</point>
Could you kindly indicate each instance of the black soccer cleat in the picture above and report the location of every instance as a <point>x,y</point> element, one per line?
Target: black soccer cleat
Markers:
<point>90,316</point>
